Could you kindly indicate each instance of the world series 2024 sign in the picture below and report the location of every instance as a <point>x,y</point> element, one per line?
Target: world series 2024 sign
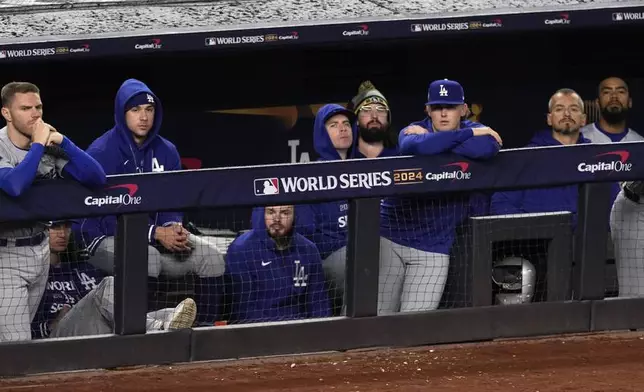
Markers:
<point>336,180</point>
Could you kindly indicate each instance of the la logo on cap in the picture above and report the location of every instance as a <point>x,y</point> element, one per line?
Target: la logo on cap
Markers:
<point>150,98</point>
<point>443,91</point>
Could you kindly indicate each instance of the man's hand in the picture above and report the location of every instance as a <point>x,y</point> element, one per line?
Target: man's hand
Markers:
<point>487,131</point>
<point>41,132</point>
<point>174,237</point>
<point>55,138</point>
<point>61,314</point>
<point>415,130</point>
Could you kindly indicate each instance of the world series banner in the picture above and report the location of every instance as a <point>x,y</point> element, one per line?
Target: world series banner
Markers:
<point>320,181</point>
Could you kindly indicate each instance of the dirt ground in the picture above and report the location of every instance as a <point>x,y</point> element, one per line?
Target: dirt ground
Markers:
<point>589,363</point>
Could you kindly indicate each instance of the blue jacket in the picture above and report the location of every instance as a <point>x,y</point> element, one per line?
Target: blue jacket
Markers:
<point>561,198</point>
<point>118,153</point>
<point>325,224</point>
<point>268,284</point>
<point>429,223</point>
<point>68,283</point>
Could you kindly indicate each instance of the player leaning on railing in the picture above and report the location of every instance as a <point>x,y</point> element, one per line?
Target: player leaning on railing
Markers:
<point>30,149</point>
<point>566,116</point>
<point>419,231</point>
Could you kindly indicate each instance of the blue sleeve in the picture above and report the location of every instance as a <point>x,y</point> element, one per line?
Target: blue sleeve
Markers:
<point>478,147</point>
<point>14,181</point>
<point>166,218</point>
<point>239,284</point>
<point>509,202</point>
<point>92,231</point>
<point>317,300</point>
<point>81,166</point>
<point>432,143</point>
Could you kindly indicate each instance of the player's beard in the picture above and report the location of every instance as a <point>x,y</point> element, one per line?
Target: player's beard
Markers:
<point>567,128</point>
<point>374,132</point>
<point>282,241</point>
<point>614,115</point>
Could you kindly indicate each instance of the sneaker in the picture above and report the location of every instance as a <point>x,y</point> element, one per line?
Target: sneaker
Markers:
<point>183,316</point>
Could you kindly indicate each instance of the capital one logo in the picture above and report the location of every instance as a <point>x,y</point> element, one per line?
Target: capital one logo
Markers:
<point>362,29</point>
<point>443,91</point>
<point>617,164</point>
<point>454,171</point>
<point>155,43</point>
<point>126,196</point>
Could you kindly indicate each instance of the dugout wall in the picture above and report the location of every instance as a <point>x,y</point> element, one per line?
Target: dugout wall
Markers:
<point>215,94</point>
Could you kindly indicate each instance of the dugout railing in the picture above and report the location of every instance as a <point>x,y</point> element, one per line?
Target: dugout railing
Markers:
<point>363,182</point>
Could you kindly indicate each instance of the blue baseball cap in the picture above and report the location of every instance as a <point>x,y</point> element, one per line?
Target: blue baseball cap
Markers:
<point>445,92</point>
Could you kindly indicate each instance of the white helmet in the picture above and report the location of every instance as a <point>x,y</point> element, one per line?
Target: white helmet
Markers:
<point>515,278</point>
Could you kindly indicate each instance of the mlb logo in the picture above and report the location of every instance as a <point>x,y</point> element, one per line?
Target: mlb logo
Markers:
<point>211,42</point>
<point>3,54</point>
<point>617,16</point>
<point>267,186</point>
<point>416,28</point>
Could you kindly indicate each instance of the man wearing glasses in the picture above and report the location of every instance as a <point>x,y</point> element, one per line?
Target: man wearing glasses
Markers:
<point>374,119</point>
<point>566,117</point>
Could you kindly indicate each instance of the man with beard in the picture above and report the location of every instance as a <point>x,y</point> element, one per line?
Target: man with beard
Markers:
<point>565,117</point>
<point>274,273</point>
<point>614,101</point>
<point>373,118</point>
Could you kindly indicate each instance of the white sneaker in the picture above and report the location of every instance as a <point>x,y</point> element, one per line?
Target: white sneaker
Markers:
<point>183,316</point>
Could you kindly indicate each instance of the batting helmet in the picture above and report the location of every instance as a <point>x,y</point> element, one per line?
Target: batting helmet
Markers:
<point>515,278</point>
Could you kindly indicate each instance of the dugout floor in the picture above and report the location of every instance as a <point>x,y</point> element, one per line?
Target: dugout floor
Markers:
<point>589,363</point>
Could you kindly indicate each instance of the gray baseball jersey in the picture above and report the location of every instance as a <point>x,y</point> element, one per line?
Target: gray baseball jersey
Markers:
<point>51,166</point>
<point>593,134</point>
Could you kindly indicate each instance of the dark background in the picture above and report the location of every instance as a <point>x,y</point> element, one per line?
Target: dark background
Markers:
<point>512,75</point>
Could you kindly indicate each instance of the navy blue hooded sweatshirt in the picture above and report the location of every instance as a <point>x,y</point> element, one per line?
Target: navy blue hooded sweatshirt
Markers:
<point>118,153</point>
<point>429,223</point>
<point>561,198</point>
<point>269,284</point>
<point>325,224</point>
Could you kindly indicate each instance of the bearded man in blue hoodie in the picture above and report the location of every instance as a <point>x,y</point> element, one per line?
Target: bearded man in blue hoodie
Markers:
<point>274,273</point>
<point>134,145</point>
<point>418,232</point>
<point>566,117</point>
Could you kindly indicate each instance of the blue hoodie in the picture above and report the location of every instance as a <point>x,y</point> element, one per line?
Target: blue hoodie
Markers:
<point>68,283</point>
<point>429,223</point>
<point>561,198</point>
<point>325,224</point>
<point>268,284</point>
<point>118,153</point>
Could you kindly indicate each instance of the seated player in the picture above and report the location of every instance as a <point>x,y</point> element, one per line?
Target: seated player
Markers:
<point>418,232</point>
<point>566,117</point>
<point>275,273</point>
<point>79,299</point>
<point>134,145</point>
